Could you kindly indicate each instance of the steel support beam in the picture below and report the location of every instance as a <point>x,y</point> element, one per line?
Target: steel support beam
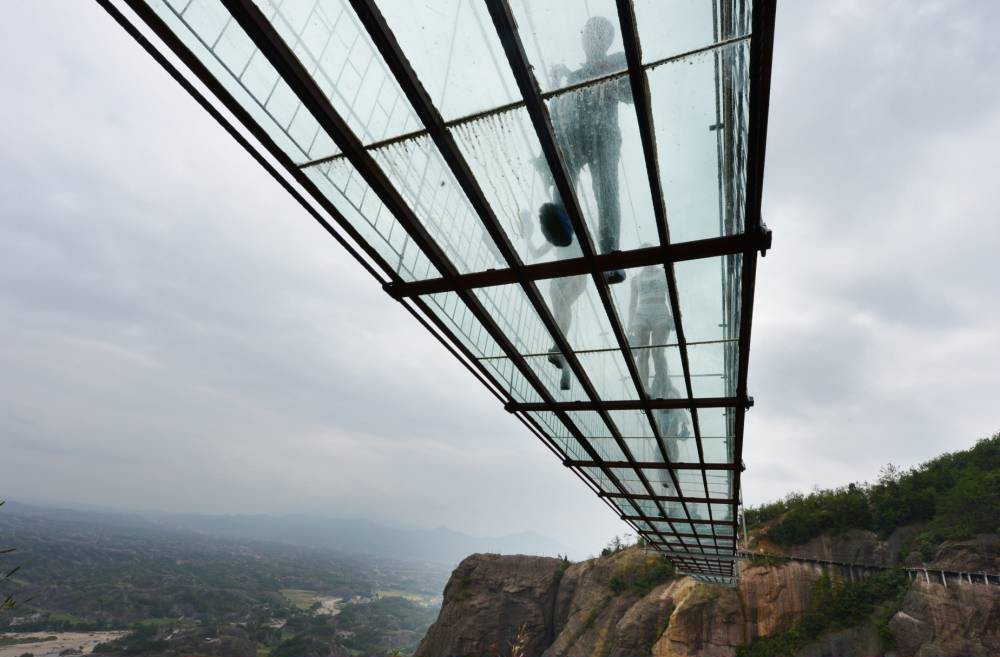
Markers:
<point>761,50</point>
<point>707,557</point>
<point>671,498</point>
<point>684,520</point>
<point>628,404</point>
<point>652,465</point>
<point>653,255</point>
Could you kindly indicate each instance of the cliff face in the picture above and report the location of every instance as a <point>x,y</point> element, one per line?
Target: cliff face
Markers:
<point>490,601</point>
<point>595,608</point>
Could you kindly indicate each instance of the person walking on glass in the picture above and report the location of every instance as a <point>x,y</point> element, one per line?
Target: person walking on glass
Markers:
<point>585,122</point>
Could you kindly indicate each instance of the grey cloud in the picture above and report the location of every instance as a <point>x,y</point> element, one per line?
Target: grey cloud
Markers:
<point>177,334</point>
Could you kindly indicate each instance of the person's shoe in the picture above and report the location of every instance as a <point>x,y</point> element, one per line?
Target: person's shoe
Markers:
<point>564,380</point>
<point>614,276</point>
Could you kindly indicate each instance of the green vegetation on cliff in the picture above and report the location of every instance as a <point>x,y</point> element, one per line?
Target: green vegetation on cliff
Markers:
<point>642,574</point>
<point>835,606</point>
<point>956,495</point>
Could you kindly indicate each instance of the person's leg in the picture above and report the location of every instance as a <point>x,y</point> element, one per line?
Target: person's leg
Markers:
<point>659,334</point>
<point>564,292</point>
<point>604,172</point>
<point>604,175</point>
<point>562,312</point>
<point>639,335</point>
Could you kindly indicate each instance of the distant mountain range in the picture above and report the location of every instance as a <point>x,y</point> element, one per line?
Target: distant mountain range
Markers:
<point>359,536</point>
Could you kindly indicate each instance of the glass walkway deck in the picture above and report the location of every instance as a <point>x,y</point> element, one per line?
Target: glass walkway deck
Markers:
<point>565,193</point>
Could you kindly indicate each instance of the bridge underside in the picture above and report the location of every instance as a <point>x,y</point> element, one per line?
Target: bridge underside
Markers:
<point>425,140</point>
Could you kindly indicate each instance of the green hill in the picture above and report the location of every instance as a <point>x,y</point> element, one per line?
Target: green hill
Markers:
<point>953,497</point>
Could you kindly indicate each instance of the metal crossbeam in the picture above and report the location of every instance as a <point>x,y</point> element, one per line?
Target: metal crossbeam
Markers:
<point>672,498</point>
<point>653,465</point>
<point>665,549</point>
<point>629,404</point>
<point>731,523</point>
<point>634,258</point>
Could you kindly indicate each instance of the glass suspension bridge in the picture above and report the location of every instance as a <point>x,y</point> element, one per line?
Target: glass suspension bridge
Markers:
<point>566,193</point>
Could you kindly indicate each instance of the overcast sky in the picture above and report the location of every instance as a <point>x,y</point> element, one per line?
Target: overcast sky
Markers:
<point>176,334</point>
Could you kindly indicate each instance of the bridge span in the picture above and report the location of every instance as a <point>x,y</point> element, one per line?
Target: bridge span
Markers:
<point>566,195</point>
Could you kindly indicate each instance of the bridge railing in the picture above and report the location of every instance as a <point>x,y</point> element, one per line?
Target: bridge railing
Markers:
<point>860,570</point>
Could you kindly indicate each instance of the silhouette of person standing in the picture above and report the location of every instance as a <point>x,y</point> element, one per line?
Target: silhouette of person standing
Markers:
<point>585,122</point>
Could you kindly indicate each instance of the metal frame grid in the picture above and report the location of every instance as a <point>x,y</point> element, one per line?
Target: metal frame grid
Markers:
<point>467,304</point>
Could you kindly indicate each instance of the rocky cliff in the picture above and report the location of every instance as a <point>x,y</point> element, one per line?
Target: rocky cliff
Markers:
<point>621,605</point>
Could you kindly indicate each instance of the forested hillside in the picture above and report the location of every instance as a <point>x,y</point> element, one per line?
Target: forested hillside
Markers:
<point>952,497</point>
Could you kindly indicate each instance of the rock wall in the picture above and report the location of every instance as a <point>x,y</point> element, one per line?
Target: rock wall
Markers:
<point>948,620</point>
<point>491,602</point>
<point>590,609</point>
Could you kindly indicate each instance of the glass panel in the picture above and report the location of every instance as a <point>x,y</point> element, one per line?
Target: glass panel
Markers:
<point>455,52</point>
<point>722,530</point>
<point>644,450</point>
<point>703,530</point>
<point>681,450</point>
<point>698,510</point>
<point>632,425</point>
<point>568,42</point>
<point>717,450</point>
<point>709,367</point>
<point>601,479</point>
<point>207,29</point>
<point>630,479</point>
<point>712,421</point>
<point>552,426</point>
<point>720,484</point>
<point>691,483</point>
<point>328,39</point>
<point>624,506</point>
<point>702,288</point>
<point>577,309</point>
<point>663,526</point>
<point>416,169</point>
<point>454,314</point>
<point>590,424</point>
<point>607,448</point>
<point>503,154</point>
<point>694,153</point>
<point>341,183</point>
<point>671,27</point>
<point>722,512</point>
